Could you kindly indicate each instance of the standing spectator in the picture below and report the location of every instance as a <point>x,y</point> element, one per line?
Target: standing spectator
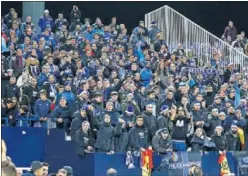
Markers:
<point>105,141</point>
<point>42,108</point>
<point>59,22</point>
<point>75,17</point>
<point>11,89</point>
<point>17,63</point>
<point>220,139</point>
<point>45,168</point>
<point>139,138</point>
<point>84,141</point>
<point>233,140</point>
<point>153,31</point>
<point>27,24</point>
<point>45,21</point>
<point>230,30</point>
<point>9,15</point>
<point>121,136</point>
<point>150,120</point>
<point>36,169</point>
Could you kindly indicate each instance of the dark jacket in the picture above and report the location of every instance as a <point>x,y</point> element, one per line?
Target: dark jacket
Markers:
<point>161,145</point>
<point>121,138</point>
<point>114,116</point>
<point>61,112</point>
<point>180,132</point>
<point>105,141</point>
<point>150,123</point>
<point>10,91</point>
<point>138,138</point>
<point>82,141</point>
<point>42,108</point>
<point>164,122</point>
<point>213,123</point>
<point>200,115</point>
<point>128,119</point>
<point>197,143</point>
<point>220,142</point>
<point>233,140</point>
<point>77,123</point>
<point>32,93</point>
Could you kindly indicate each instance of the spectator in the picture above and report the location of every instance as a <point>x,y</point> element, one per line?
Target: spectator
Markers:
<point>69,170</point>
<point>230,30</point>
<point>111,172</point>
<point>220,139</point>
<point>233,139</point>
<point>153,31</point>
<point>62,172</point>
<point>45,21</point>
<point>27,24</point>
<point>11,89</point>
<point>8,169</point>
<point>105,136</point>
<point>121,136</point>
<point>59,22</point>
<point>162,142</point>
<point>45,168</point>
<point>36,169</point>
<point>62,115</point>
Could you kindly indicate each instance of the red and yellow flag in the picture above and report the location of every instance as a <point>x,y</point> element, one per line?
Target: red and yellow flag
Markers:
<point>147,162</point>
<point>224,167</point>
<point>242,138</point>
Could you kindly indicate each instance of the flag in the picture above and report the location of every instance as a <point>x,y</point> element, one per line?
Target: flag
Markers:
<point>242,138</point>
<point>224,167</point>
<point>147,162</point>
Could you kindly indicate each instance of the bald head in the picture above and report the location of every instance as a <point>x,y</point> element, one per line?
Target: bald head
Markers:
<point>111,172</point>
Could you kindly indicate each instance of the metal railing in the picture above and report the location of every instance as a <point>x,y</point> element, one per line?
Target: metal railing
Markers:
<point>176,29</point>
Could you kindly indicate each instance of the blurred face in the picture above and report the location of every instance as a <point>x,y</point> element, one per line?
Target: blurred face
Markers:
<point>184,100</point>
<point>45,171</point>
<point>222,117</point>
<point>199,98</point>
<point>149,109</point>
<point>198,132</point>
<point>98,99</point>
<point>134,67</point>
<point>109,106</point>
<point>39,172</point>
<point>107,119</point>
<point>197,107</point>
<point>215,113</point>
<point>46,69</point>
<point>218,131</point>
<point>114,97</point>
<point>230,24</point>
<point>85,127</point>
<point>140,121</point>
<point>50,60</point>
<point>238,114</point>
<point>217,101</point>
<point>67,87</point>
<point>137,77</point>
<point>19,52</point>
<point>231,110</point>
<point>83,113</point>
<point>43,96</point>
<point>164,135</point>
<point>170,95</point>
<point>62,102</point>
<point>12,80</point>
<point>51,79</point>
<point>60,16</point>
<point>180,112</point>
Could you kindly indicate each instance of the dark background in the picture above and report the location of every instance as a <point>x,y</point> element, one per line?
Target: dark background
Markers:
<point>213,16</point>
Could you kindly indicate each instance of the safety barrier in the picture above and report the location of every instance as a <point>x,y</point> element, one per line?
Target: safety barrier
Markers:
<point>176,28</point>
<point>25,145</point>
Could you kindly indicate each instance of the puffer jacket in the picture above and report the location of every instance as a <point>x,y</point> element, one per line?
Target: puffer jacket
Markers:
<point>220,142</point>
<point>233,140</point>
<point>82,141</point>
<point>161,145</point>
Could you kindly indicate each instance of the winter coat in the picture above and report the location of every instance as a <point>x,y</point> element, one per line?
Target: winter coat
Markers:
<point>42,108</point>
<point>136,108</point>
<point>82,141</point>
<point>105,141</point>
<point>32,93</point>
<point>233,140</point>
<point>200,115</point>
<point>10,91</point>
<point>153,32</point>
<point>128,119</point>
<point>150,123</point>
<point>61,112</point>
<point>121,138</point>
<point>98,110</point>
<point>77,123</point>
<point>213,123</point>
<point>114,116</point>
<point>230,32</point>
<point>44,22</point>
<point>220,142</point>
<point>138,138</point>
<point>161,145</point>
<point>198,142</point>
<point>164,122</point>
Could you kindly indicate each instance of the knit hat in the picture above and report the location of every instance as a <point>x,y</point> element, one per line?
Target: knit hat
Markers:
<point>164,108</point>
<point>154,22</point>
<point>114,93</point>
<point>46,11</point>
<point>84,108</point>
<point>97,94</point>
<point>35,165</point>
<point>234,124</point>
<point>219,127</point>
<point>69,170</point>
<point>164,131</point>
<point>130,109</point>
<point>67,83</point>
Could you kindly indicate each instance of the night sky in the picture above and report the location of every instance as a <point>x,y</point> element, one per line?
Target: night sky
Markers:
<point>213,16</point>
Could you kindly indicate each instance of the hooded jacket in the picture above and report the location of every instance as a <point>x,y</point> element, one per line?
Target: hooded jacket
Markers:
<point>105,141</point>
<point>82,141</point>
<point>161,145</point>
<point>164,122</point>
<point>138,138</point>
<point>213,123</point>
<point>198,142</point>
<point>77,123</point>
<point>153,32</point>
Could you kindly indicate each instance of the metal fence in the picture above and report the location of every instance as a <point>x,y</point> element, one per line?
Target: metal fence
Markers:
<point>176,29</point>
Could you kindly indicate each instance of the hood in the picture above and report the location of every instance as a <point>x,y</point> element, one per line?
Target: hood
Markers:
<point>154,26</point>
<point>158,133</point>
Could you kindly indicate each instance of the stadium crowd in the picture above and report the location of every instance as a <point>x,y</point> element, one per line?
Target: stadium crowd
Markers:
<point>112,92</point>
